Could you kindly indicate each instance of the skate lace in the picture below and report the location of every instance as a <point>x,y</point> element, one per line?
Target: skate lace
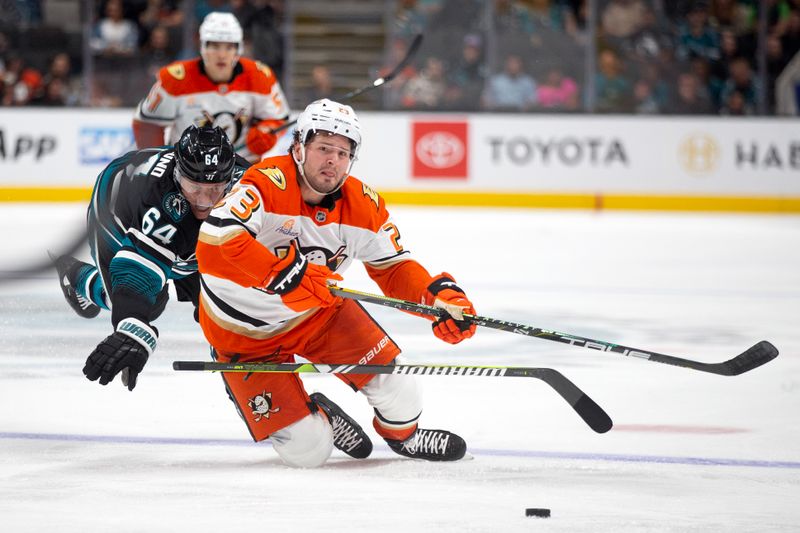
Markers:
<point>428,442</point>
<point>345,436</point>
<point>83,302</point>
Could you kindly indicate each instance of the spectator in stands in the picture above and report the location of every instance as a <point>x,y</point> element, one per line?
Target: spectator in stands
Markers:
<point>321,84</point>
<point>790,40</point>
<point>457,17</point>
<point>155,53</point>
<point>735,104</point>
<point>696,37</point>
<point>644,100</point>
<point>742,82</point>
<point>22,83</point>
<point>53,95</point>
<point>621,20</point>
<point>661,78</point>
<point>426,90</point>
<point>266,37</point>
<point>66,87</point>
<point>778,12</point>
<point>466,80</point>
<point>701,68</point>
<point>729,14</point>
<point>160,13</point>
<point>776,62</point>
<point>4,52</point>
<point>612,86</point>
<point>393,92</point>
<point>114,35</point>
<point>553,14</point>
<point>412,17</point>
<point>557,92</point>
<point>729,50</point>
<point>653,39</point>
<point>512,89</point>
<point>691,98</point>
<point>512,21</point>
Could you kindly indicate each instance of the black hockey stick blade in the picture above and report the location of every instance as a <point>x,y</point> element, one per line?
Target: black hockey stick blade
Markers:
<point>410,53</point>
<point>759,354</point>
<point>591,413</point>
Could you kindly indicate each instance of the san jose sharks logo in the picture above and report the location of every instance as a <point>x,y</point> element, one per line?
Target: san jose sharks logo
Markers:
<point>176,206</point>
<point>261,406</point>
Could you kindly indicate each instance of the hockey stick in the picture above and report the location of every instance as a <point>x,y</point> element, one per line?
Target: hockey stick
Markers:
<point>412,50</point>
<point>587,409</point>
<point>755,356</point>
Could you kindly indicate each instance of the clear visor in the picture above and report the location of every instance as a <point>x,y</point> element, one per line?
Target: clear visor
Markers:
<point>202,195</point>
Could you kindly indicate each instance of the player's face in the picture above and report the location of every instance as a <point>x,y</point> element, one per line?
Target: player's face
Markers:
<point>327,161</point>
<point>201,196</point>
<point>219,60</point>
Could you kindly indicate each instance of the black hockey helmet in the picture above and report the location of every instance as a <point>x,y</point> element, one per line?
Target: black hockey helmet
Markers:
<point>205,155</point>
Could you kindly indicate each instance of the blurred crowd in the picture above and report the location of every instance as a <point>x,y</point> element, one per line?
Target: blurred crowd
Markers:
<point>130,41</point>
<point>650,56</point>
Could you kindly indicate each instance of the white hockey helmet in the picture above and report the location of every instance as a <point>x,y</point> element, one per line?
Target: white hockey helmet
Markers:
<point>222,28</point>
<point>330,116</point>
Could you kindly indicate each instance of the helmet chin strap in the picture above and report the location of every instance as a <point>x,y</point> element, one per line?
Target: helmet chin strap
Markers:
<point>308,183</point>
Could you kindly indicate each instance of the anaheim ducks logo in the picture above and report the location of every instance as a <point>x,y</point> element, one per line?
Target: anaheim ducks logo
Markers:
<point>175,206</point>
<point>261,406</point>
<point>177,71</point>
<point>316,255</point>
<point>264,68</point>
<point>276,176</point>
<point>232,123</point>
<point>370,193</point>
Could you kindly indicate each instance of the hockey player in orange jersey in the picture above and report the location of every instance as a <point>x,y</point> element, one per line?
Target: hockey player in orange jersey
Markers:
<point>220,88</point>
<point>267,254</point>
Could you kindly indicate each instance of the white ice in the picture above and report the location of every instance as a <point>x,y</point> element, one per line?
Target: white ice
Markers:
<point>690,451</point>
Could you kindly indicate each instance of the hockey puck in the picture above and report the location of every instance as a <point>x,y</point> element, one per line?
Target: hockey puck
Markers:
<point>539,513</point>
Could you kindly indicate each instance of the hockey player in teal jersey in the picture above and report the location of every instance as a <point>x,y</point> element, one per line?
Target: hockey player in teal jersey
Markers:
<point>143,221</point>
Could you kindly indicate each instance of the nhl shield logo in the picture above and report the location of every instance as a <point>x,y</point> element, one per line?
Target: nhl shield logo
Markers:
<point>320,216</point>
<point>176,206</point>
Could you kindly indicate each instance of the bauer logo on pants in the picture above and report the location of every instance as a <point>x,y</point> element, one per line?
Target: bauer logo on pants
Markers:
<point>440,150</point>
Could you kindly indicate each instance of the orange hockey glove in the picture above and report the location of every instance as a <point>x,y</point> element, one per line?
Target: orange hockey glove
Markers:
<point>260,139</point>
<point>301,285</point>
<point>445,294</point>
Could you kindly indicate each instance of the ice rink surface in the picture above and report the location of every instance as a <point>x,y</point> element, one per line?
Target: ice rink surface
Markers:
<point>690,451</point>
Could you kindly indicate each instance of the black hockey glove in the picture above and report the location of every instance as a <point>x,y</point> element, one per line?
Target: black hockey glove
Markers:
<point>126,350</point>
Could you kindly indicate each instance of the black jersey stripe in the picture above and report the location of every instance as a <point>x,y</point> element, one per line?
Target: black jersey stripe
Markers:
<point>230,311</point>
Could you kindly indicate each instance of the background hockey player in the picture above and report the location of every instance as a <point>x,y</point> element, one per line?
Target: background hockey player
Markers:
<point>143,220</point>
<point>220,88</point>
<point>266,256</point>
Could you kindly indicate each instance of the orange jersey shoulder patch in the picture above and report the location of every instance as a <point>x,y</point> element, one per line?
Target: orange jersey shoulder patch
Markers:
<point>184,77</point>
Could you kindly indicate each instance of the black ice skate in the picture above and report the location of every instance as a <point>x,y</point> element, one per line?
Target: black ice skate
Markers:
<point>68,268</point>
<point>430,445</point>
<point>347,434</point>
